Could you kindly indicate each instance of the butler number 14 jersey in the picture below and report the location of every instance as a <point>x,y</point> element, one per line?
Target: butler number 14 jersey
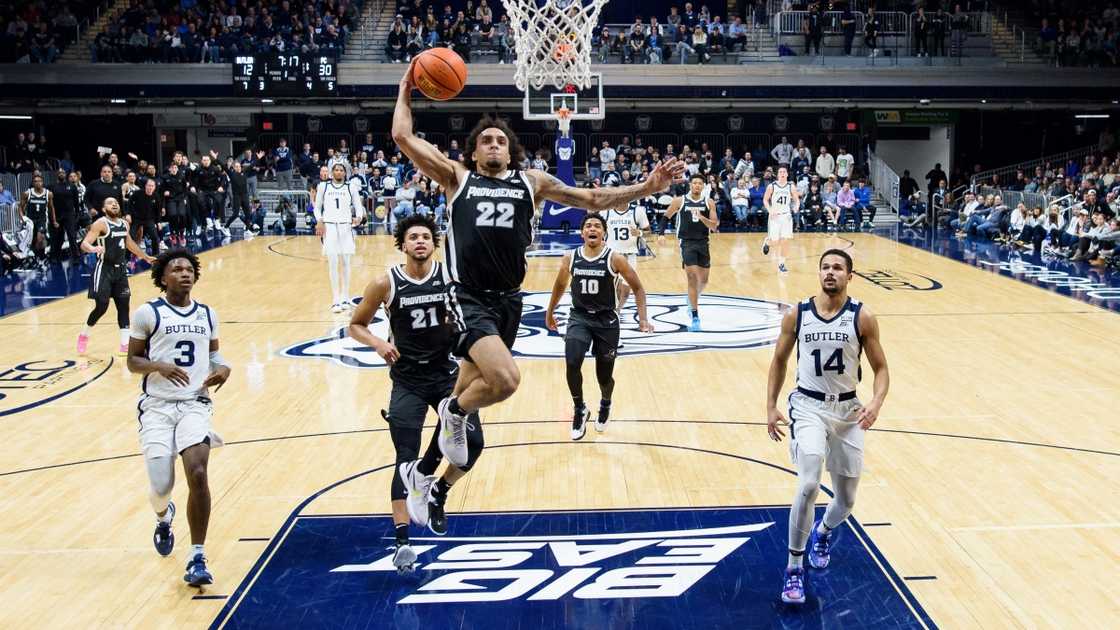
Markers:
<point>828,350</point>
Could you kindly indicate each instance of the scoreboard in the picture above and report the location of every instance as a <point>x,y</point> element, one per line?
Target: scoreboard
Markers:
<point>285,74</point>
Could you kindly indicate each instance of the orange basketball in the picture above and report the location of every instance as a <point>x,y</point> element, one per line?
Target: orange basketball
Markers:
<point>439,73</point>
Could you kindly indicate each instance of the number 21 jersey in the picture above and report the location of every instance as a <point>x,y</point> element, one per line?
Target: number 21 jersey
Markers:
<point>181,337</point>
<point>490,227</point>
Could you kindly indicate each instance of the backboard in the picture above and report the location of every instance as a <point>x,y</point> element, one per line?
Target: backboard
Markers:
<point>585,104</point>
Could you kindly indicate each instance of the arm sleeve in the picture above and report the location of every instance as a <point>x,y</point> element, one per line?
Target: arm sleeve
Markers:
<point>143,322</point>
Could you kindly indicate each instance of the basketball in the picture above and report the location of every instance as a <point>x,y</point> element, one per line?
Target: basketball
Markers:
<point>439,73</point>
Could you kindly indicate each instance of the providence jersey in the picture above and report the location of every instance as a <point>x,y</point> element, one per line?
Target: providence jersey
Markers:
<point>621,235</point>
<point>418,323</point>
<point>490,225</point>
<point>593,282</point>
<point>181,337</point>
<point>828,351</point>
<point>116,250</point>
<point>781,198</point>
<point>689,226</point>
<point>37,205</point>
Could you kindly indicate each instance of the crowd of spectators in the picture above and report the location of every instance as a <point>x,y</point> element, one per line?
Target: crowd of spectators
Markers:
<point>214,31</point>
<point>1078,33</point>
<point>38,31</point>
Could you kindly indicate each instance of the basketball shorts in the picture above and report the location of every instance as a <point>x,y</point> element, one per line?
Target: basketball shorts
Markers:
<point>694,253</point>
<point>169,427</point>
<point>828,430</point>
<point>595,333</point>
<point>779,226</point>
<point>338,239</point>
<point>410,399</point>
<point>108,282</point>
<point>480,313</point>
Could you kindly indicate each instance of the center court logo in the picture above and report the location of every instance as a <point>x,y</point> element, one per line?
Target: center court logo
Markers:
<point>730,323</point>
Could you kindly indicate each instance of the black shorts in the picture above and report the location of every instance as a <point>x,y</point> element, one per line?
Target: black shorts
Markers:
<point>695,253</point>
<point>583,334</point>
<point>481,314</point>
<point>109,282</point>
<point>409,400</point>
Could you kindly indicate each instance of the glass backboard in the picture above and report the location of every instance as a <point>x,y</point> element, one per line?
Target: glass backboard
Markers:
<point>585,104</point>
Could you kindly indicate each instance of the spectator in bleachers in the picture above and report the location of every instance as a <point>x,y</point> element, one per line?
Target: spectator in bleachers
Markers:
<point>846,199</point>
<point>741,200</point>
<point>830,203</point>
<point>826,164</point>
<point>396,46</point>
<point>958,29</point>
<point>871,28</point>
<point>939,27</point>
<point>635,49</point>
<point>736,35</point>
<point>43,48</point>
<point>996,222</point>
<point>461,41</point>
<point>865,212</point>
<point>813,206</point>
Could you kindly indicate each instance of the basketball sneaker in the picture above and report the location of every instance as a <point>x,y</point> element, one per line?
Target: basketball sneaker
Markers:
<point>197,575</point>
<point>336,308</point>
<point>164,538</point>
<point>437,516</point>
<point>404,558</point>
<point>452,434</point>
<point>695,325</point>
<point>766,248</point>
<point>793,588</point>
<point>819,547</point>
<point>579,422</point>
<point>83,344</point>
<point>416,484</point>
<point>782,268</point>
<point>123,350</point>
<point>602,418</point>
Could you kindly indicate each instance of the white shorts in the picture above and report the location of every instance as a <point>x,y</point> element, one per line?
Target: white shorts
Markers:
<point>828,430</point>
<point>779,226</point>
<point>338,239</point>
<point>169,427</point>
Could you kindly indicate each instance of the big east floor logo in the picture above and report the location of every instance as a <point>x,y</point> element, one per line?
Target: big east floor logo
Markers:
<point>33,383</point>
<point>651,569</point>
<point>729,322</point>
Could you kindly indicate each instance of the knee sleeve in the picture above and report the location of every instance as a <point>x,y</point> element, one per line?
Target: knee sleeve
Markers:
<point>406,442</point>
<point>801,512</point>
<point>121,303</point>
<point>99,308</point>
<point>161,479</point>
<point>604,373</point>
<point>843,500</point>
<point>475,441</point>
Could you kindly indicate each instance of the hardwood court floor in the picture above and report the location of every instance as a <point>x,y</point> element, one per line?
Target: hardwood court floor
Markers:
<point>993,461</point>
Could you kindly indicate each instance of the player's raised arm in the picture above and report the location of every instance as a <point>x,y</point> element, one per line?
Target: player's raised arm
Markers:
<point>422,153</point>
<point>869,326</point>
<point>376,294</point>
<point>558,288</point>
<point>548,187</point>
<point>777,375</point>
<point>618,261</point>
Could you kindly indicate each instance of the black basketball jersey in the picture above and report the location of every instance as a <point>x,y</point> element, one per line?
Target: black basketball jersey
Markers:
<point>418,323</point>
<point>116,251</point>
<point>37,205</point>
<point>593,282</point>
<point>490,227</point>
<point>689,226</point>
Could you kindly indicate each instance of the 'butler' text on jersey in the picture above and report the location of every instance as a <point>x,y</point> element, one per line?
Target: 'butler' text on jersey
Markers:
<point>491,225</point>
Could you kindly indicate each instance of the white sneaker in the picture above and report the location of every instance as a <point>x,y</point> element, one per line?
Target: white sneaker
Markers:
<point>579,422</point>
<point>452,435</point>
<point>336,308</point>
<point>404,559</point>
<point>416,484</point>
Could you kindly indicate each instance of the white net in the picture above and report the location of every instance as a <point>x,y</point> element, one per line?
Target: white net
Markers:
<point>553,41</point>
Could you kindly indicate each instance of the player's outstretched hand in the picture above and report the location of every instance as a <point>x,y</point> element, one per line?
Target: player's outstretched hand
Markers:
<point>320,230</point>
<point>550,322</point>
<point>666,173</point>
<point>217,378</point>
<point>867,416</point>
<point>645,326</point>
<point>774,418</point>
<point>174,374</point>
<point>388,353</point>
<point>406,80</point>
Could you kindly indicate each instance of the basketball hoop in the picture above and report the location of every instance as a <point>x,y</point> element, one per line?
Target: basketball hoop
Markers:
<point>564,120</point>
<point>553,41</point>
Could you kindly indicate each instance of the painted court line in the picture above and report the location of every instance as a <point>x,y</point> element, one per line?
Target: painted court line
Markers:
<point>1026,528</point>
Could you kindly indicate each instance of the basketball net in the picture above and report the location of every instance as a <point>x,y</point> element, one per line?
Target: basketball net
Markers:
<point>552,39</point>
<point>564,120</point>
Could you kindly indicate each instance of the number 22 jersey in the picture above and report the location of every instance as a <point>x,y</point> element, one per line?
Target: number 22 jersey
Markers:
<point>490,227</point>
<point>181,337</point>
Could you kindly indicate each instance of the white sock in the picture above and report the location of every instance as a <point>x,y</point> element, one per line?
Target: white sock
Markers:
<point>124,336</point>
<point>332,266</point>
<point>795,561</point>
<point>166,518</point>
<point>87,331</point>
<point>196,550</point>
<point>344,286</point>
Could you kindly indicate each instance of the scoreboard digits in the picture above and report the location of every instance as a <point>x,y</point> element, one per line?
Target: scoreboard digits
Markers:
<point>284,74</point>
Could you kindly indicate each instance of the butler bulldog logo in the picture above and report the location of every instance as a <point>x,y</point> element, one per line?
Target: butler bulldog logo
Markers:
<point>729,323</point>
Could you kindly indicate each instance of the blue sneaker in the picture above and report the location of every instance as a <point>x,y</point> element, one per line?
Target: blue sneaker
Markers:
<point>782,268</point>
<point>164,538</point>
<point>819,545</point>
<point>793,587</point>
<point>197,575</point>
<point>695,325</point>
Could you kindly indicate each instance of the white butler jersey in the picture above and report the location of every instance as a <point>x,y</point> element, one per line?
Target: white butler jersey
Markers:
<point>180,337</point>
<point>781,198</point>
<point>621,235</point>
<point>334,202</point>
<point>828,351</point>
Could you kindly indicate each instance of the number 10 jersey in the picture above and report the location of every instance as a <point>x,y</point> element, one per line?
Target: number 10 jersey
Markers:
<point>181,337</point>
<point>490,227</point>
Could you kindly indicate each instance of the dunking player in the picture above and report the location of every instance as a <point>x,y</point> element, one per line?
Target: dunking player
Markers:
<point>334,223</point>
<point>826,421</point>
<point>781,200</point>
<point>593,269</point>
<point>623,229</point>
<point>698,218</point>
<point>174,345</point>
<point>418,352</point>
<point>490,214</point>
<point>110,275</point>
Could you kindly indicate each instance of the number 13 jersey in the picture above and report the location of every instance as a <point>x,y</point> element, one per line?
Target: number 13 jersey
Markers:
<point>828,350</point>
<point>181,337</point>
<point>490,225</point>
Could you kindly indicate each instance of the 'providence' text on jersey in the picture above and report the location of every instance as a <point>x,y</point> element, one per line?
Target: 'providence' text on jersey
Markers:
<point>491,226</point>
<point>689,225</point>
<point>418,324</point>
<point>593,283</point>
